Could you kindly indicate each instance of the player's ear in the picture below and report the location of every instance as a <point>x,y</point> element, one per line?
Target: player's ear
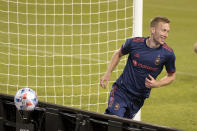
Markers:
<point>152,29</point>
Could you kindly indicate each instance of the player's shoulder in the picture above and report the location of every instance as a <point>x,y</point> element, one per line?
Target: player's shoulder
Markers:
<point>167,48</point>
<point>138,39</point>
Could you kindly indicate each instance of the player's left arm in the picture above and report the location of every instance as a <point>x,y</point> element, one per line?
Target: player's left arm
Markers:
<point>152,83</point>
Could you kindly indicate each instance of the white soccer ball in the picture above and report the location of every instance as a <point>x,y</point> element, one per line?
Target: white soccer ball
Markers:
<point>25,99</point>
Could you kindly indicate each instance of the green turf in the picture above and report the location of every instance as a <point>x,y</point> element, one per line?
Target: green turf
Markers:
<point>53,51</point>
<point>175,105</point>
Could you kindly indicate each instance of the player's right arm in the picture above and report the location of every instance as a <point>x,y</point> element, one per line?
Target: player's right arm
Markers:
<point>113,63</point>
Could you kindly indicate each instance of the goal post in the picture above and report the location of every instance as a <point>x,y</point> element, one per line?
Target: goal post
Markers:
<point>137,17</point>
<point>137,29</point>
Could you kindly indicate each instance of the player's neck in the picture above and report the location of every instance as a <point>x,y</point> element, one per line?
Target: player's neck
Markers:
<point>151,43</point>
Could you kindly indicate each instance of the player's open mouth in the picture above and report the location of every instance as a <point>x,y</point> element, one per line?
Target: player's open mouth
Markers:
<point>162,40</point>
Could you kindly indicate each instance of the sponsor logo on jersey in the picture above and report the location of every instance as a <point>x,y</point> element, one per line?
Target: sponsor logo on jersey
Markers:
<point>135,63</point>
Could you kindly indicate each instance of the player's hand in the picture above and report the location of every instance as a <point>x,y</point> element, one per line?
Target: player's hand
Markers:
<point>150,82</point>
<point>104,81</point>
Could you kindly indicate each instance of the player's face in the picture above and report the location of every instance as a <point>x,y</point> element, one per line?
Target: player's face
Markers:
<point>160,32</point>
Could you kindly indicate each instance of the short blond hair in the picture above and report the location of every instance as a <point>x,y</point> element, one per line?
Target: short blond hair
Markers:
<point>158,19</point>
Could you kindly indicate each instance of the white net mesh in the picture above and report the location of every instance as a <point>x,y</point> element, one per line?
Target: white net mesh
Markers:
<point>61,48</point>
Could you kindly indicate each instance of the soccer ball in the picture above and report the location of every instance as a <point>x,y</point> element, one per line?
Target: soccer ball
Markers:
<point>25,99</point>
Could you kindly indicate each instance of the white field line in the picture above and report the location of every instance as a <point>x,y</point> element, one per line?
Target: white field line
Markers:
<point>59,54</point>
<point>187,74</point>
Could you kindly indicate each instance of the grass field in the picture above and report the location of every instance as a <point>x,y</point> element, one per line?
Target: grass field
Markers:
<point>175,105</point>
<point>61,53</point>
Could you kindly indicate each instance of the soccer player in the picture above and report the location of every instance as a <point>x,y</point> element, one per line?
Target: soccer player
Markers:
<point>147,57</point>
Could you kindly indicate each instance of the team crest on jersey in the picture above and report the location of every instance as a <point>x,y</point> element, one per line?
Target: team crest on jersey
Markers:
<point>157,60</point>
<point>116,107</point>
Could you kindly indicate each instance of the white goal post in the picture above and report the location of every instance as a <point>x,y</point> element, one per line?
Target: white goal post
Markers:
<point>137,29</point>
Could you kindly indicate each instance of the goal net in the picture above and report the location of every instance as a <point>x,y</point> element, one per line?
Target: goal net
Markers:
<point>61,48</point>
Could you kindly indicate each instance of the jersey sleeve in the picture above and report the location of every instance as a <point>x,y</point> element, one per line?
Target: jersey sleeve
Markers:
<point>170,64</point>
<point>126,47</point>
